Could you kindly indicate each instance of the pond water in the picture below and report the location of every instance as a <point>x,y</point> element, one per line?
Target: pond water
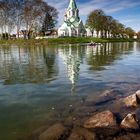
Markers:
<point>38,84</point>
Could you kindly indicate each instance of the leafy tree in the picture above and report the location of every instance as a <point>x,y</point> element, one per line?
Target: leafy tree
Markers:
<point>138,34</point>
<point>130,32</point>
<point>50,20</point>
<point>94,21</point>
<point>107,25</point>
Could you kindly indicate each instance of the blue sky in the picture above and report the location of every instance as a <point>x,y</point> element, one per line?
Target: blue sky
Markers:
<point>126,11</point>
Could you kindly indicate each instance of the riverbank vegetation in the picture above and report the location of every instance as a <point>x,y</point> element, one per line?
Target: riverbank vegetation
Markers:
<point>67,40</point>
<point>107,26</point>
<point>26,17</point>
<point>41,19</point>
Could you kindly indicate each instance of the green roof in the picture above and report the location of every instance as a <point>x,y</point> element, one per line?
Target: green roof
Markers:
<point>72,5</point>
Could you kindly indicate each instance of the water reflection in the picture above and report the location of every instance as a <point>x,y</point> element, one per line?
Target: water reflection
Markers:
<point>39,64</point>
<point>100,56</point>
<point>27,64</point>
<point>71,56</point>
<point>97,57</point>
<point>60,68</point>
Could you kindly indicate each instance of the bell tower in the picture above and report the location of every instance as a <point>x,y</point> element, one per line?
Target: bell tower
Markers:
<point>72,10</point>
<point>72,25</point>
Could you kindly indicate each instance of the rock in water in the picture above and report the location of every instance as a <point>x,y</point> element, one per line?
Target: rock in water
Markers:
<point>55,132</point>
<point>131,100</point>
<point>106,97</point>
<point>82,134</point>
<point>130,122</point>
<point>138,94</point>
<point>103,119</point>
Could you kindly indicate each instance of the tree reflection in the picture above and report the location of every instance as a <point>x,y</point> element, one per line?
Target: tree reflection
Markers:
<point>35,64</point>
<point>39,64</point>
<point>96,57</point>
<point>100,56</point>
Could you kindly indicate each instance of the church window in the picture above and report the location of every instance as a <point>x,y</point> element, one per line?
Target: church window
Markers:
<point>73,13</point>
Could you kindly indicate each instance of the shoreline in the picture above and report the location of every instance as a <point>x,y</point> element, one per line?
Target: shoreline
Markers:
<point>87,107</point>
<point>110,116</point>
<point>68,40</point>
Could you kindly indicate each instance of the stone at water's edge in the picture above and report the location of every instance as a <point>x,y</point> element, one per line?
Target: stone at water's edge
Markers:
<point>103,119</point>
<point>55,132</point>
<point>131,100</point>
<point>106,97</point>
<point>82,134</point>
<point>130,122</point>
<point>111,93</point>
<point>128,136</point>
<point>138,94</point>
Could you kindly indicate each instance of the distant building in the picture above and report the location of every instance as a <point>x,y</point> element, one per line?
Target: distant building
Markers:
<point>135,36</point>
<point>72,25</point>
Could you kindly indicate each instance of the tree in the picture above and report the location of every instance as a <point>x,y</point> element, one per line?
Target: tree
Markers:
<point>41,15</point>
<point>108,22</point>
<point>107,25</point>
<point>18,14</point>
<point>26,15</point>
<point>50,20</point>
<point>6,13</point>
<point>138,34</point>
<point>130,32</point>
<point>94,21</point>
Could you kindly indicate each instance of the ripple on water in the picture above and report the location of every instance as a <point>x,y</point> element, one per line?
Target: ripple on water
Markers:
<point>41,85</point>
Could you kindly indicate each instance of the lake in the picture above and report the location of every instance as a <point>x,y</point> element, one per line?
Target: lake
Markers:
<point>40,85</point>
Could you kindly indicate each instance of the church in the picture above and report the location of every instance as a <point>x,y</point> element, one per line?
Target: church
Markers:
<point>72,25</point>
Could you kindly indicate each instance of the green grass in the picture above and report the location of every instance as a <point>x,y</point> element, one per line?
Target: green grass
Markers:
<point>67,40</point>
<point>24,42</point>
<point>74,40</point>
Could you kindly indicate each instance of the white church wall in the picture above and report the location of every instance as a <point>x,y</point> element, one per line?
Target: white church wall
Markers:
<point>74,26</point>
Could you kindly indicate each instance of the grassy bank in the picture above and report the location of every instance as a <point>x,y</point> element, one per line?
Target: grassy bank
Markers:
<point>85,40</point>
<point>68,40</point>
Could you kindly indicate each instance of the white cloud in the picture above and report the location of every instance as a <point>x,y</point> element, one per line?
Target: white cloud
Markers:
<point>109,6</point>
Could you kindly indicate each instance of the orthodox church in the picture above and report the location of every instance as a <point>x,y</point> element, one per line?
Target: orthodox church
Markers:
<point>72,25</point>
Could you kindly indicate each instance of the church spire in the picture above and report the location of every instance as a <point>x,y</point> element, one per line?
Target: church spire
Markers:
<point>72,5</point>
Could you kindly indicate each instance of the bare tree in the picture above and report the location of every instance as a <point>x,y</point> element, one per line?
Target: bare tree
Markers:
<point>25,15</point>
<point>6,13</point>
<point>34,11</point>
<point>18,14</point>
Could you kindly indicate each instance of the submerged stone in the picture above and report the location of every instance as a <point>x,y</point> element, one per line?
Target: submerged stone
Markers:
<point>82,134</point>
<point>103,119</point>
<point>138,94</point>
<point>130,122</point>
<point>128,136</point>
<point>55,132</point>
<point>105,97</point>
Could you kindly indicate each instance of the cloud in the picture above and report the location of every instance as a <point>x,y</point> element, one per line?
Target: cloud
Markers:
<point>122,5</point>
<point>133,22</point>
<point>109,6</point>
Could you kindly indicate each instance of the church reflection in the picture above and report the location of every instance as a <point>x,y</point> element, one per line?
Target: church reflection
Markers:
<point>72,57</point>
<point>39,64</point>
<point>96,58</point>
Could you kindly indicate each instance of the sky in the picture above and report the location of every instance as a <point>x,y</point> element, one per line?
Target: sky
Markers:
<point>125,11</point>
